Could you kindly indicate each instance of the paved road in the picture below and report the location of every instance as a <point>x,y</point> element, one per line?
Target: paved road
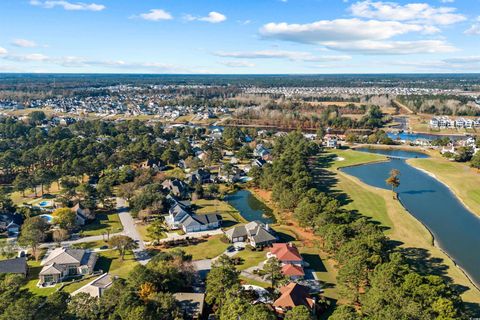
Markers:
<point>129,230</point>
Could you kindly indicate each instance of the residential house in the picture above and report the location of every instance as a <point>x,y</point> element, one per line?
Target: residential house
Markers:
<point>293,295</point>
<point>83,215</point>
<point>255,233</point>
<point>191,304</point>
<point>10,223</point>
<point>62,263</point>
<point>176,214</point>
<point>152,164</point>
<point>176,187</point>
<point>200,176</point>
<point>331,141</point>
<point>201,222</point>
<point>180,217</point>
<point>292,261</point>
<point>262,152</point>
<point>96,287</point>
<point>258,162</point>
<point>14,266</point>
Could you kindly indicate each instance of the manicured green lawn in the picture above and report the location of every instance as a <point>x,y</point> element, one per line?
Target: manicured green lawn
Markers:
<point>34,269</point>
<point>229,215</point>
<point>209,249</point>
<point>251,258</point>
<point>350,157</point>
<point>462,179</point>
<point>90,245</point>
<point>175,173</point>
<point>109,261</point>
<point>254,282</point>
<point>102,223</point>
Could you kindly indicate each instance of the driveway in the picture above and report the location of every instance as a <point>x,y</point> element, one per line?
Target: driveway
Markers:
<point>130,231</point>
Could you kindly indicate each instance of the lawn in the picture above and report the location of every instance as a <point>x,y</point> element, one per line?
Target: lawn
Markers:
<point>209,249</point>
<point>251,258</point>
<point>109,261</point>
<point>352,158</point>
<point>34,269</point>
<point>229,215</point>
<point>175,173</point>
<point>102,223</point>
<point>90,245</point>
<point>249,281</point>
<point>462,179</point>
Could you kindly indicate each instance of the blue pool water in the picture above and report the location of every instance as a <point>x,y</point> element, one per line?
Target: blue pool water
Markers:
<point>47,217</point>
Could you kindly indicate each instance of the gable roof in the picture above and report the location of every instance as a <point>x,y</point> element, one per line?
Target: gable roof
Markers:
<point>51,269</point>
<point>17,265</point>
<point>68,256</point>
<point>293,295</point>
<point>286,252</point>
<point>292,270</point>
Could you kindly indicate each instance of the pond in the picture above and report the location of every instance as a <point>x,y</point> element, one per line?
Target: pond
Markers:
<point>250,207</point>
<point>455,228</point>
<point>395,153</point>
<point>414,136</point>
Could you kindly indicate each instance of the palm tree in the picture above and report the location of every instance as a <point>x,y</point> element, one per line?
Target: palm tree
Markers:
<point>394,180</point>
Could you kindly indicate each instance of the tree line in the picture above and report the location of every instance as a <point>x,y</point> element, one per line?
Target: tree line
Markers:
<point>376,278</point>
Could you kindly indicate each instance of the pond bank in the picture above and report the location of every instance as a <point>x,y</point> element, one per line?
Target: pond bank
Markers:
<point>454,228</point>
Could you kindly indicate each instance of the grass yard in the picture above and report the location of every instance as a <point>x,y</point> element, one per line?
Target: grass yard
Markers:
<point>102,223</point>
<point>175,173</point>
<point>229,215</point>
<point>109,261</point>
<point>34,269</point>
<point>462,179</point>
<point>252,282</point>
<point>251,258</point>
<point>209,249</point>
<point>90,245</point>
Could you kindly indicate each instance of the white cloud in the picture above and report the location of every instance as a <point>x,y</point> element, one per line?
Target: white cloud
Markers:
<point>281,54</point>
<point>238,64</point>
<point>463,64</point>
<point>341,30</point>
<point>71,6</point>
<point>156,15</point>
<point>35,57</point>
<point>474,29</point>
<point>212,17</point>
<point>3,51</point>
<point>391,47</point>
<point>412,12</point>
<point>24,43</point>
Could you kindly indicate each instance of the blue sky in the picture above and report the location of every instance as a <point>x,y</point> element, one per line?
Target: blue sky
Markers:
<point>239,36</point>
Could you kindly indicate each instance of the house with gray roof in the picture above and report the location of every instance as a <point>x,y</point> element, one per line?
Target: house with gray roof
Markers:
<point>14,266</point>
<point>200,222</point>
<point>176,187</point>
<point>63,263</point>
<point>97,287</point>
<point>255,233</point>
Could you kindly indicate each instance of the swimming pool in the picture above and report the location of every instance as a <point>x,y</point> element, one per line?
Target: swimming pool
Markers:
<point>47,217</point>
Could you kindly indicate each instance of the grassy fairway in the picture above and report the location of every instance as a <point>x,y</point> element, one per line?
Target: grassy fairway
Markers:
<point>346,158</point>
<point>379,205</point>
<point>209,249</point>
<point>463,180</point>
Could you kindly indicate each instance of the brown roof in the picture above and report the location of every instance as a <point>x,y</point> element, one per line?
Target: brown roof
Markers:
<point>292,270</point>
<point>293,295</point>
<point>286,252</point>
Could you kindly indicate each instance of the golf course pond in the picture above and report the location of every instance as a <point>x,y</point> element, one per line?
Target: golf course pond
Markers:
<point>250,207</point>
<point>456,230</point>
